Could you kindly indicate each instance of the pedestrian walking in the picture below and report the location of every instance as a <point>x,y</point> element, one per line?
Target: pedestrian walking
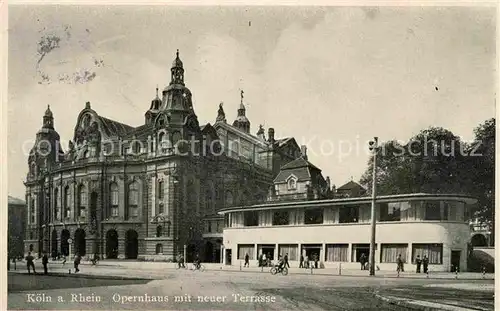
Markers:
<point>45,262</point>
<point>425,262</point>
<point>286,260</point>
<point>418,261</point>
<point>306,262</point>
<point>362,261</point>
<point>77,262</point>
<point>316,261</point>
<point>400,264</point>
<point>64,260</point>
<point>247,260</point>
<point>301,265</point>
<point>30,263</point>
<point>264,260</point>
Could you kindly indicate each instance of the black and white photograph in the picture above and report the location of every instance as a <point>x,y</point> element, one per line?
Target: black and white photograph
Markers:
<point>205,156</point>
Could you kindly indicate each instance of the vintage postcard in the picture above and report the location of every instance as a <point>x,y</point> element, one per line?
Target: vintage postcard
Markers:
<point>251,157</point>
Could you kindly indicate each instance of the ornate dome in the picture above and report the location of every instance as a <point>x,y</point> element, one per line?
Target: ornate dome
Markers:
<point>48,112</point>
<point>177,61</point>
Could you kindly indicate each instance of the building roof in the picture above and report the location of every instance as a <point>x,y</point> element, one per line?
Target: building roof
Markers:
<point>300,167</point>
<point>351,201</point>
<point>350,185</point>
<point>112,127</point>
<point>299,163</point>
<point>16,201</point>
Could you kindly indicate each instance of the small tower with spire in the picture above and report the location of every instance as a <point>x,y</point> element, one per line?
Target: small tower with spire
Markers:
<point>48,119</point>
<point>177,70</point>
<point>242,121</point>
<point>153,109</point>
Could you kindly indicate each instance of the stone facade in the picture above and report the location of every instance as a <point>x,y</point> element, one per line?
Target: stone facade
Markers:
<point>151,191</point>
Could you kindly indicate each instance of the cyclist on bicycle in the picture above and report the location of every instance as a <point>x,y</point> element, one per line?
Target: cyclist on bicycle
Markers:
<point>281,263</point>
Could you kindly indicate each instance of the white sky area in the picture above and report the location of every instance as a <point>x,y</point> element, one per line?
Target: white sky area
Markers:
<point>331,77</point>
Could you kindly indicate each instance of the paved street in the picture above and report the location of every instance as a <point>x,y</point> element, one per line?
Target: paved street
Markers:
<point>104,287</point>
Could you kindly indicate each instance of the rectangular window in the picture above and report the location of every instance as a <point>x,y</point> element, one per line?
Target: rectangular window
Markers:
<point>291,249</point>
<point>390,211</point>
<point>251,218</point>
<point>433,251</point>
<point>336,252</point>
<point>445,210</point>
<point>160,189</point>
<point>358,250</point>
<point>313,216</point>
<point>209,226</point>
<point>244,249</point>
<point>390,252</point>
<point>348,214</point>
<point>281,218</point>
<point>432,210</point>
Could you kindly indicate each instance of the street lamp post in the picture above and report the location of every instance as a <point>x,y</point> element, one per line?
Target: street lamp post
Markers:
<point>373,145</point>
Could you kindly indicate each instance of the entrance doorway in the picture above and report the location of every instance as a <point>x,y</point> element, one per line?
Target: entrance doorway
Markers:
<point>64,242</point>
<point>455,261</point>
<point>111,244</point>
<point>312,251</point>
<point>209,252</point>
<point>190,253</point>
<point>131,244</point>
<point>268,250</point>
<point>80,245</point>
<point>228,257</point>
<point>358,250</point>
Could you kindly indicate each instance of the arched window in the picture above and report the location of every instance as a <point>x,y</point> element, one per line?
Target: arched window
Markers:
<point>114,199</point>
<point>136,147</point>
<point>168,228</point>
<point>163,142</point>
<point>133,199</point>
<point>82,201</point>
<point>159,249</point>
<point>56,204</point>
<point>229,199</point>
<point>66,202</point>
<point>159,231</point>
<point>292,184</point>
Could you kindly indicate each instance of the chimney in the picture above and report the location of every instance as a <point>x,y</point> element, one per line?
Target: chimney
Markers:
<point>328,182</point>
<point>270,135</point>
<point>303,150</point>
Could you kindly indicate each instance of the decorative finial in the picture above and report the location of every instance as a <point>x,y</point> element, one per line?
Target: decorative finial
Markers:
<point>48,107</point>
<point>87,105</point>
<point>157,90</point>
<point>177,53</point>
<point>242,96</point>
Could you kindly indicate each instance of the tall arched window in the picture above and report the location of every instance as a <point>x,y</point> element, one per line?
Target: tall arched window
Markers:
<point>32,211</point>
<point>133,199</point>
<point>229,199</point>
<point>114,199</point>
<point>82,201</point>
<point>159,249</point>
<point>67,199</point>
<point>160,189</point>
<point>56,204</point>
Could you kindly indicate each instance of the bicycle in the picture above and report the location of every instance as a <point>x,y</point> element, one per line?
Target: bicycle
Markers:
<point>198,267</point>
<point>274,270</point>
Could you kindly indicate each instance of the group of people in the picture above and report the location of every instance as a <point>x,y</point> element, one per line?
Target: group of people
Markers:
<point>424,261</point>
<point>30,262</point>
<point>307,263</point>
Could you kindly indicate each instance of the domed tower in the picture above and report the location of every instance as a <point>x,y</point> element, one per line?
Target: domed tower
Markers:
<point>47,149</point>
<point>154,109</point>
<point>177,99</point>
<point>242,121</point>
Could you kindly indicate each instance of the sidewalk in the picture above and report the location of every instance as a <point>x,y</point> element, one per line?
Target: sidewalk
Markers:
<point>153,266</point>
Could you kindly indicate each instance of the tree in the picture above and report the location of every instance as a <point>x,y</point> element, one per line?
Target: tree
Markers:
<point>431,162</point>
<point>481,172</point>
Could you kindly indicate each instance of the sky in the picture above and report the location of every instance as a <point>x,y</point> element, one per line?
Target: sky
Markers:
<point>332,77</point>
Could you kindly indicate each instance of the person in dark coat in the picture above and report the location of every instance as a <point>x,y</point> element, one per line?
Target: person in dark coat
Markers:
<point>425,262</point>
<point>247,260</point>
<point>400,264</point>
<point>362,260</point>
<point>45,262</point>
<point>418,261</point>
<point>316,260</point>
<point>261,264</point>
<point>77,262</point>
<point>30,263</point>
<point>301,265</point>
<point>286,260</point>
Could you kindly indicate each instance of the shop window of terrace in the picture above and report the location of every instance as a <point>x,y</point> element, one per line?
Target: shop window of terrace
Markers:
<point>281,218</point>
<point>348,214</point>
<point>432,210</point>
<point>313,216</point>
<point>336,252</point>
<point>390,252</point>
<point>244,249</point>
<point>251,218</point>
<point>434,252</point>
<point>390,211</point>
